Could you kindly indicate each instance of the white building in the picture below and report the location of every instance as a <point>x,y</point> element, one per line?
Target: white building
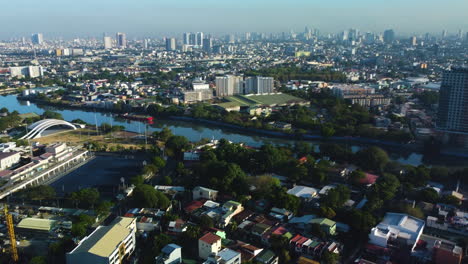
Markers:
<point>7,147</point>
<point>107,42</point>
<point>208,244</point>
<point>56,148</point>
<point>170,44</point>
<point>107,244</point>
<point>200,192</point>
<point>8,159</point>
<point>397,229</point>
<point>259,85</point>
<point>303,192</point>
<point>200,85</point>
<point>228,85</point>
<point>225,256</point>
<point>27,71</point>
<point>170,254</point>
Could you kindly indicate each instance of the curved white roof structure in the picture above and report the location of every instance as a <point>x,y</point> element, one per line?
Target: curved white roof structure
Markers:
<point>36,129</point>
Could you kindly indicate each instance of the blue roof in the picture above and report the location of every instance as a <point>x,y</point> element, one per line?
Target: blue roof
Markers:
<point>169,248</point>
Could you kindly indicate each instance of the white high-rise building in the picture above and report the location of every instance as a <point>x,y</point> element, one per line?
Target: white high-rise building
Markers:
<point>107,42</point>
<point>259,85</point>
<point>228,85</point>
<point>199,39</point>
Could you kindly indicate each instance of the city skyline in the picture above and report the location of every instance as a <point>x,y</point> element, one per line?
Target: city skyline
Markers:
<point>150,18</point>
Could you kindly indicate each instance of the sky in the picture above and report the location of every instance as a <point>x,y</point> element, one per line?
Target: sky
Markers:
<point>85,18</point>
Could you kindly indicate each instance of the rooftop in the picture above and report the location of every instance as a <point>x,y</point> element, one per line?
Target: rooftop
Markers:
<point>105,239</point>
<point>210,238</point>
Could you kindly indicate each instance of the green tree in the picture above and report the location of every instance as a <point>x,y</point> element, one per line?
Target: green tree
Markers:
<point>356,177</point>
<point>428,195</point>
<point>372,158</point>
<point>206,222</point>
<point>146,196</point>
<point>336,197</point>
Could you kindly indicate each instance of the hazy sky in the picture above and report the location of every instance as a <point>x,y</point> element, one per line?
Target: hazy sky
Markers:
<point>150,17</point>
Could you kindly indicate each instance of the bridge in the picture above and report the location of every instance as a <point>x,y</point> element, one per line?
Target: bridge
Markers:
<point>36,129</point>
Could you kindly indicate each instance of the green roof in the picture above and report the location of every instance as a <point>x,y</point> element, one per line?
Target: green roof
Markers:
<point>323,221</point>
<point>265,255</point>
<point>38,224</point>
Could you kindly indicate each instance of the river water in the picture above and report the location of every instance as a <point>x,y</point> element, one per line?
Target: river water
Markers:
<point>196,131</point>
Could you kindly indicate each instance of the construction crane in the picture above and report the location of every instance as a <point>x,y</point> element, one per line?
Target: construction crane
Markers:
<point>11,234</point>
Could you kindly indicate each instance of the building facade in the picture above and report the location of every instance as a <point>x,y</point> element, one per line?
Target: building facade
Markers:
<point>453,102</point>
<point>228,85</point>
<point>106,244</point>
<point>8,159</point>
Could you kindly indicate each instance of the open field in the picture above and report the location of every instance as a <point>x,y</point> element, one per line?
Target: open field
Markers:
<point>82,136</point>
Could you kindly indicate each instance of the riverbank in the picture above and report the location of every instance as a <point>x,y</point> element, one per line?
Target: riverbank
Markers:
<point>195,130</point>
<point>265,132</point>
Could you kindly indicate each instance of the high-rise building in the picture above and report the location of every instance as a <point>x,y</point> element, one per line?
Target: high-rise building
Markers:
<point>389,36</point>
<point>228,85</point>
<point>192,39</point>
<point>107,42</point>
<point>414,41</point>
<point>145,43</point>
<point>444,34</point>
<point>37,39</point>
<point>170,44</point>
<point>121,39</point>
<point>199,39</point>
<point>186,38</point>
<point>453,102</point>
<point>259,85</point>
<point>207,45</point>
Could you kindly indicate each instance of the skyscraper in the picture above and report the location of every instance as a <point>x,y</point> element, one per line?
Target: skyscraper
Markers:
<point>199,39</point>
<point>453,102</point>
<point>186,38</point>
<point>207,44</point>
<point>37,39</point>
<point>121,39</point>
<point>170,44</point>
<point>414,41</point>
<point>228,85</point>
<point>389,36</point>
<point>107,42</point>
<point>259,85</point>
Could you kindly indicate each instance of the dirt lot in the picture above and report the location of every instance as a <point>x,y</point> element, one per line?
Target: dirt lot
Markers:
<point>81,136</point>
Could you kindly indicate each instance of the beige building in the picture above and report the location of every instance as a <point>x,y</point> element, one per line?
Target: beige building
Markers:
<point>107,244</point>
<point>208,244</point>
<point>8,159</point>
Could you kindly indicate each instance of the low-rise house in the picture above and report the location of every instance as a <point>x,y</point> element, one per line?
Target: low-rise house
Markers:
<point>303,192</point>
<point>445,253</point>
<point>397,230</point>
<point>225,256</point>
<point>178,226</point>
<point>281,214</point>
<point>327,225</point>
<point>208,244</point>
<point>170,254</point>
<point>267,257</point>
<point>230,209</point>
<point>200,192</point>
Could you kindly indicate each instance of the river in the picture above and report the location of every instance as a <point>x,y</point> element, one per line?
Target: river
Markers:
<point>195,131</point>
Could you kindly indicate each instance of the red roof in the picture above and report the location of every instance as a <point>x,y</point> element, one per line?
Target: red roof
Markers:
<point>296,238</point>
<point>194,205</point>
<point>280,231</point>
<point>210,238</point>
<point>369,179</point>
<point>303,160</point>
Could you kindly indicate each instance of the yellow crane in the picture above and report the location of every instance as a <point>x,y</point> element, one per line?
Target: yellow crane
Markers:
<point>11,234</point>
